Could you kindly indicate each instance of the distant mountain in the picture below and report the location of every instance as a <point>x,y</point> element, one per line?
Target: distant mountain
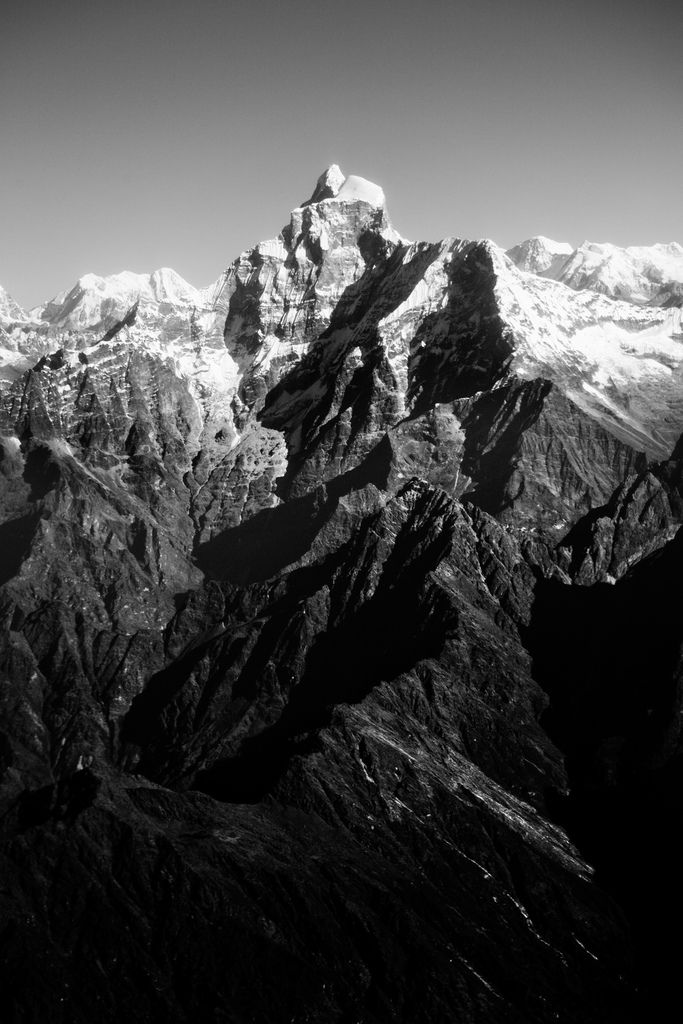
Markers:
<point>340,673</point>
<point>640,274</point>
<point>9,309</point>
<point>95,301</point>
<point>540,255</point>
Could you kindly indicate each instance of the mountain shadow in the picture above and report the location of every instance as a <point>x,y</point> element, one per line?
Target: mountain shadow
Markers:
<point>609,658</point>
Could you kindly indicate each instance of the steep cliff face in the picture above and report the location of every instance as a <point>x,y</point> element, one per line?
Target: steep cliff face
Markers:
<point>283,571</point>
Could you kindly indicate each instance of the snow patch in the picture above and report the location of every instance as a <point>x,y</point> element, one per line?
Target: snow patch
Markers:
<point>357,189</point>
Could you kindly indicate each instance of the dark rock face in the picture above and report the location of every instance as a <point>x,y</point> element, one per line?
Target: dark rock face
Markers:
<point>316,702</point>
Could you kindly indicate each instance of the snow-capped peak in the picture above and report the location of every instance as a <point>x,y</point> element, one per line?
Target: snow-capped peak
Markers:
<point>639,273</point>
<point>644,274</point>
<point>169,286</point>
<point>550,245</point>
<point>332,185</point>
<point>357,189</point>
<point>94,298</point>
<point>540,255</point>
<point>9,309</point>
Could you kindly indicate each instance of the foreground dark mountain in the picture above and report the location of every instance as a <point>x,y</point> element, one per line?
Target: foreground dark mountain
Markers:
<point>340,672</point>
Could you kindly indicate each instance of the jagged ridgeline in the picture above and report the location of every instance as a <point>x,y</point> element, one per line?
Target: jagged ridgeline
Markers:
<point>340,663</point>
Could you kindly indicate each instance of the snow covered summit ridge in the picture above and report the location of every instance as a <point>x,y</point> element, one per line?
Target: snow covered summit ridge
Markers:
<point>356,188</point>
<point>334,185</point>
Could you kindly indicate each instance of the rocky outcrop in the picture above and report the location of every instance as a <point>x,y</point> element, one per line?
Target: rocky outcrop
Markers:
<point>365,729</point>
<point>642,516</point>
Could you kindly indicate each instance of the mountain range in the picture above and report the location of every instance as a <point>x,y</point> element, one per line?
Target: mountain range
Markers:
<point>340,671</point>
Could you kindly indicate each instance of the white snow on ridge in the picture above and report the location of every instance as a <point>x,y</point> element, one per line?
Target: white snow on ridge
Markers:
<point>168,286</point>
<point>93,298</point>
<point>557,248</point>
<point>349,189</point>
<point>9,309</point>
<point>552,323</point>
<point>357,189</point>
<point>617,360</point>
<point>638,273</point>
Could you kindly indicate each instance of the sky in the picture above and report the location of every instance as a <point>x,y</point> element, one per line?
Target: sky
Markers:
<point>135,135</point>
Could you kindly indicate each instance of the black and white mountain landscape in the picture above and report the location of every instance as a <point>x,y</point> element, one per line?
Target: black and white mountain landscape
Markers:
<point>341,637</point>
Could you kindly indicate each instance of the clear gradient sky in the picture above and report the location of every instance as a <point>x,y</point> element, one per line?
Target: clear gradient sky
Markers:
<point>135,135</point>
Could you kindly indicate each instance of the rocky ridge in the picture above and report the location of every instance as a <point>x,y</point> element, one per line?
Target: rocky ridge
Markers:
<point>285,569</point>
